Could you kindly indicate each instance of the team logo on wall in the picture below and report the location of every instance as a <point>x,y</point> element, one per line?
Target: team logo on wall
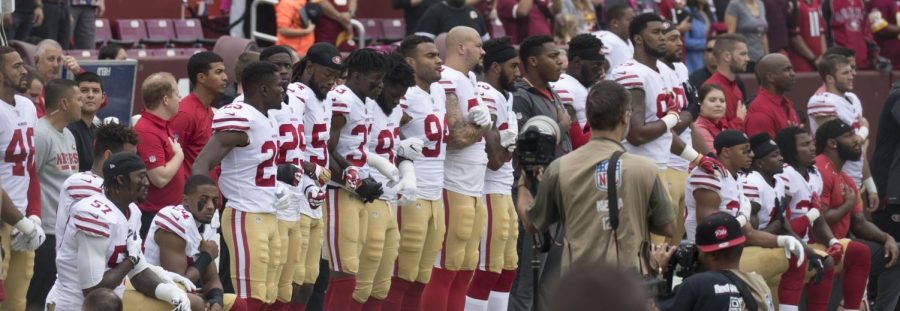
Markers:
<point>601,177</point>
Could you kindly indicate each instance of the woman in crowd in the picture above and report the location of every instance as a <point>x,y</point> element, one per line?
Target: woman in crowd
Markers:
<point>748,18</point>
<point>712,109</point>
<point>695,38</point>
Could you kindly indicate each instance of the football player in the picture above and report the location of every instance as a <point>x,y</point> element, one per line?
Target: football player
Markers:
<point>245,143</point>
<point>421,222</point>
<point>346,217</point>
<point>498,260</point>
<point>17,173</point>
<point>585,68</point>
<point>182,238</point>
<point>467,120</point>
<point>102,246</point>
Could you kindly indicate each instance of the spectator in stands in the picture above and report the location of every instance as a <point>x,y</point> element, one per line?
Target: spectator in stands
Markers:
<point>712,113</point>
<point>731,59</point>
<point>777,14</point>
<point>615,39</point>
<point>771,110</point>
<point>335,20</point>
<point>93,98</point>
<point>34,86</point>
<point>28,14</point>
<point>576,17</point>
<point>113,52</point>
<point>56,158</point>
<point>639,6</point>
<point>807,38</point>
<point>849,27</point>
<point>412,11</point>
<point>699,76</point>
<point>57,25</point>
<point>283,58</point>
<point>695,43</point>
<point>291,30</point>
<point>884,16</point>
<point>523,18</point>
<point>193,123</point>
<point>748,18</point>
<point>235,89</point>
<point>84,13</point>
<point>159,149</point>
<point>442,17</point>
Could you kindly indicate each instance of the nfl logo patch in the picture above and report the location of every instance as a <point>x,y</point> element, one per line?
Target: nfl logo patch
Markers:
<point>600,177</point>
<point>152,159</point>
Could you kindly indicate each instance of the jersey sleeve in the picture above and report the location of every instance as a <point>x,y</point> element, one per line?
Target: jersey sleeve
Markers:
<point>152,151</point>
<point>629,80</point>
<point>231,118</point>
<point>81,186</point>
<point>170,219</point>
<point>751,191</point>
<point>446,85</point>
<point>820,106</point>
<point>90,221</point>
<point>702,180</point>
<point>338,102</point>
<point>297,96</point>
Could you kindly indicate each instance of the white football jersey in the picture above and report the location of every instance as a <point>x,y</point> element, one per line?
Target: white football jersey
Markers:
<point>618,51</point>
<point>385,136</point>
<point>177,220</point>
<point>657,92</point>
<point>676,77</point>
<point>572,93</point>
<point>758,190</point>
<point>248,172</point>
<point>289,123</point>
<point>98,217</point>
<point>316,132</point>
<point>76,187</point>
<point>17,140</point>
<point>464,168</point>
<point>426,123</point>
<point>729,189</point>
<point>355,133</point>
<point>804,193</point>
<point>501,180</point>
<point>848,109</point>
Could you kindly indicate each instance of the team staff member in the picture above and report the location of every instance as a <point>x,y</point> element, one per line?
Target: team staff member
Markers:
<point>182,240</point>
<point>159,148</point>
<point>731,57</point>
<point>498,259</point>
<point>192,125</point>
<point>346,214</point>
<point>93,98</point>
<point>17,173</point>
<point>421,222</point>
<point>564,197</point>
<point>771,110</point>
<point>245,143</point>
<point>467,119</point>
<point>56,159</point>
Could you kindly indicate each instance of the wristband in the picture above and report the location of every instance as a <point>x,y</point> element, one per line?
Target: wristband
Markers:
<point>215,296</point>
<point>742,220</point>
<point>25,226</point>
<point>812,215</point>
<point>833,241</point>
<point>166,291</point>
<point>869,184</point>
<point>689,154</point>
<point>202,262</point>
<point>863,132</point>
<point>670,120</point>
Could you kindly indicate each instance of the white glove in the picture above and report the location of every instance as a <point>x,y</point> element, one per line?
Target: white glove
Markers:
<point>30,235</point>
<point>133,245</point>
<point>791,246</point>
<point>479,115</point>
<point>508,139</point>
<point>172,294</point>
<point>174,278</point>
<point>406,188</point>
<point>111,120</point>
<point>411,148</point>
<point>283,196</point>
<point>384,167</point>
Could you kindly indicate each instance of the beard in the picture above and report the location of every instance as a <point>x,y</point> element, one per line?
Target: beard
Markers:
<point>315,87</point>
<point>654,53</point>
<point>848,153</point>
<point>587,77</point>
<point>735,68</point>
<point>507,84</point>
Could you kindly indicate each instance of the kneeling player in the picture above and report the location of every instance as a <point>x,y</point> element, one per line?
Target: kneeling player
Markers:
<point>182,240</point>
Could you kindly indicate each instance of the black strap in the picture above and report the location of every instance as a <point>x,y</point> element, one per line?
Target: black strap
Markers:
<point>743,288</point>
<point>612,190</point>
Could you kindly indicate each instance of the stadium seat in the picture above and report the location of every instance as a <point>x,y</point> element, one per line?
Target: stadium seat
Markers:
<point>102,32</point>
<point>373,28</point>
<point>230,48</point>
<point>440,42</point>
<point>82,54</point>
<point>130,32</point>
<point>27,50</point>
<point>190,32</point>
<point>394,29</point>
<point>139,53</point>
<point>159,30</point>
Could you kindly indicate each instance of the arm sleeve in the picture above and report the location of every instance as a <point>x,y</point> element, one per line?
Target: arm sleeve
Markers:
<point>819,106</point>
<point>169,221</point>
<point>578,136</point>
<point>152,151</point>
<point>628,80</point>
<point>702,180</point>
<point>91,261</point>
<point>34,193</point>
<point>230,119</point>
<point>523,109</point>
<point>682,299</point>
<point>547,202</point>
<point>733,9</point>
<point>751,191</point>
<point>661,211</point>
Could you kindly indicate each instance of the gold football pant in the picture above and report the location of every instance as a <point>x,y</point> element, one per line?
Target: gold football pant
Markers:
<point>345,220</point>
<point>379,252</point>
<point>769,263</point>
<point>422,230</point>
<point>498,244</point>
<point>254,250</point>
<point>674,181</point>
<point>289,231</point>
<point>307,269</point>
<point>18,268</point>
<point>464,216</point>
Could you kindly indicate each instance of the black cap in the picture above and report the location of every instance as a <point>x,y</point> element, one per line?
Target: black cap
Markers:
<point>325,54</point>
<point>718,231</point>
<point>762,145</point>
<point>122,163</point>
<point>830,130</point>
<point>729,138</point>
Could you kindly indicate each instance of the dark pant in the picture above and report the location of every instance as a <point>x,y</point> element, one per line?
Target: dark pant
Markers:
<point>317,300</point>
<point>83,27</point>
<point>521,296</point>
<point>888,220</point>
<point>21,28</point>
<point>884,284</point>
<point>44,274</point>
<point>56,24</point>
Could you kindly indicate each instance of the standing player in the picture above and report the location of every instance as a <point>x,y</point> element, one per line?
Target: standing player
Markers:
<point>101,246</point>
<point>245,144</point>
<point>313,77</point>
<point>182,239</point>
<point>585,68</point>
<point>421,222</point>
<point>498,259</point>
<point>467,119</point>
<point>346,215</point>
<point>17,173</point>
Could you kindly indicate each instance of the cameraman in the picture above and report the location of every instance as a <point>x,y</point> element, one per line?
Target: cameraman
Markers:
<point>722,286</point>
<point>573,192</point>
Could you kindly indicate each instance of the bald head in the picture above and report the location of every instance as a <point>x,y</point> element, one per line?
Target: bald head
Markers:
<point>775,72</point>
<point>461,34</point>
<point>463,48</point>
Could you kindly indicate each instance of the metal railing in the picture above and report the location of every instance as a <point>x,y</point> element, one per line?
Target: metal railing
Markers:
<point>256,35</point>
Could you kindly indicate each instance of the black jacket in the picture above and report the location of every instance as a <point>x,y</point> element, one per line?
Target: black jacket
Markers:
<point>885,164</point>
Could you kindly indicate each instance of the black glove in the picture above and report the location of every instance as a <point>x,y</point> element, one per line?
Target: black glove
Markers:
<point>693,100</point>
<point>369,189</point>
<point>816,262</point>
<point>289,174</point>
<point>778,210</point>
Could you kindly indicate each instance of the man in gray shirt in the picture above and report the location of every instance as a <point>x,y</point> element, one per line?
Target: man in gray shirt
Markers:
<point>56,158</point>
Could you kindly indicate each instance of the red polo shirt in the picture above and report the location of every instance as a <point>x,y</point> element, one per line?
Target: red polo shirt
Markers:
<point>832,181</point>
<point>156,150</point>
<point>733,97</point>
<point>538,21</point>
<point>769,113</point>
<point>192,127</point>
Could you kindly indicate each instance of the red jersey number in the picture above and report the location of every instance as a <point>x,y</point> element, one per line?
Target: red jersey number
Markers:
<point>319,143</point>
<point>436,133</point>
<point>20,151</point>
<point>385,146</point>
<point>290,140</point>
<point>359,159</point>
<point>262,179</point>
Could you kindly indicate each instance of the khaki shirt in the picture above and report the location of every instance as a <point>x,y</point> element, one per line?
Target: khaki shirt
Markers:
<point>573,193</point>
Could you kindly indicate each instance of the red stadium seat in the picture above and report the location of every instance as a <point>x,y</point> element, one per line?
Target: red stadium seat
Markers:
<point>394,29</point>
<point>159,31</point>
<point>497,30</point>
<point>102,32</point>
<point>189,31</point>
<point>140,53</point>
<point>373,28</point>
<point>230,48</point>
<point>129,30</point>
<point>82,54</point>
<point>25,49</point>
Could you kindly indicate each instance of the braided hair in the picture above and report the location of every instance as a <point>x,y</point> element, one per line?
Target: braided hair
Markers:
<point>365,61</point>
